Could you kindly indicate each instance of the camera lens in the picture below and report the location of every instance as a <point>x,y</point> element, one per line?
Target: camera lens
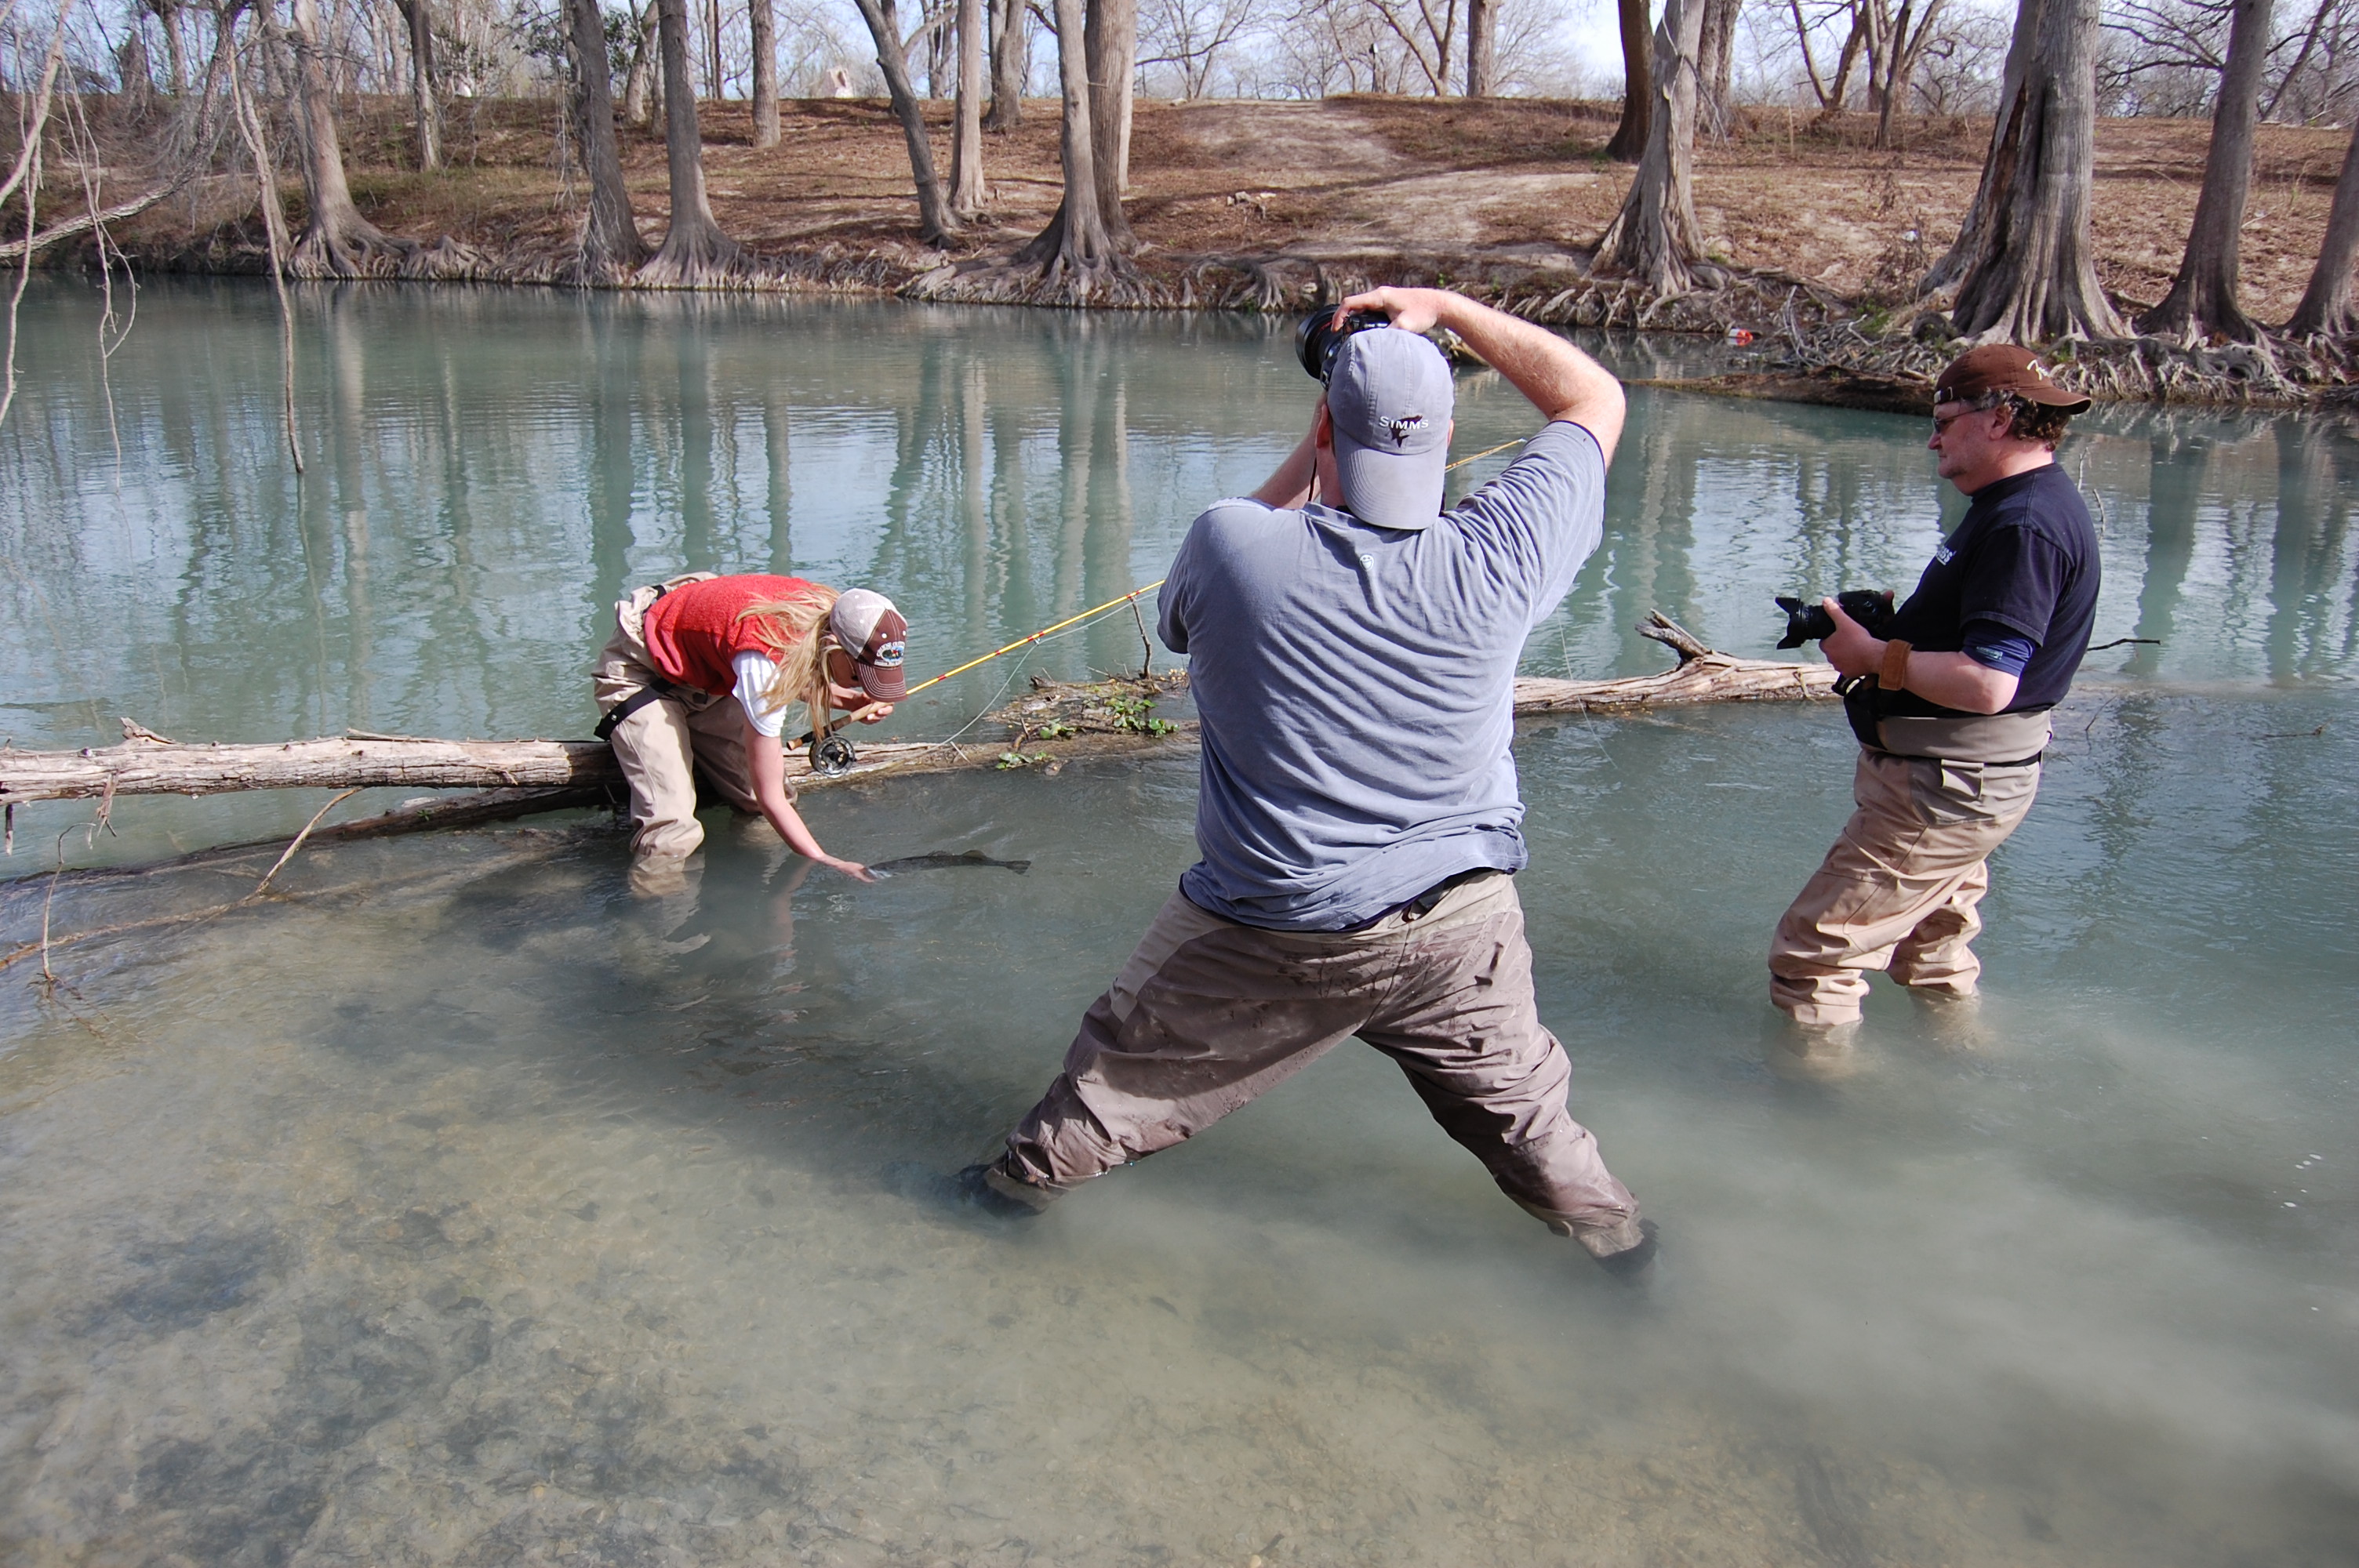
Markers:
<point>1318,336</point>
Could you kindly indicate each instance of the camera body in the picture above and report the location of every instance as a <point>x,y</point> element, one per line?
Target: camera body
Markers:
<point>1808,620</point>
<point>1322,333</point>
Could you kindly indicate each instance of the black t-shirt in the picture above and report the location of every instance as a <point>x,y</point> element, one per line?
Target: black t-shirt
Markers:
<point>2023,558</point>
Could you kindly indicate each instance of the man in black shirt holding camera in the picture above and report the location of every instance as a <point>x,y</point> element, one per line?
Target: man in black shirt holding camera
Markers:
<point>1950,710</point>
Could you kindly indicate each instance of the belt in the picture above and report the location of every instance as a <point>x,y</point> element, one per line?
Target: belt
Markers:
<point>1426,902</point>
<point>2032,761</point>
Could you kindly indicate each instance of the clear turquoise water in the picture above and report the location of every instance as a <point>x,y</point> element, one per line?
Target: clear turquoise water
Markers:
<point>460,1209</point>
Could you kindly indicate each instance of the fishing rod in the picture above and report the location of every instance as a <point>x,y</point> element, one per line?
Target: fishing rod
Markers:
<point>831,755</point>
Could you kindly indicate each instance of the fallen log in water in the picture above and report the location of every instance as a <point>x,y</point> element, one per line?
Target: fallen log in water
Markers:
<point>1060,722</point>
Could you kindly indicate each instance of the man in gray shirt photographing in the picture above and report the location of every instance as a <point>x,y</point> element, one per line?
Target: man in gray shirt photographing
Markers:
<point>1353,653</point>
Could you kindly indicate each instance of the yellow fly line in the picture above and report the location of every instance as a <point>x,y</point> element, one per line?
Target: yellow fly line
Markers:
<point>1044,632</point>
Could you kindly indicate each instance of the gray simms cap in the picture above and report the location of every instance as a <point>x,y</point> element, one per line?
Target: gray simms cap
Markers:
<point>1390,396</point>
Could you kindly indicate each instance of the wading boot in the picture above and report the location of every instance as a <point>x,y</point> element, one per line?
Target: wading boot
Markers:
<point>971,1192</point>
<point>1633,1265</point>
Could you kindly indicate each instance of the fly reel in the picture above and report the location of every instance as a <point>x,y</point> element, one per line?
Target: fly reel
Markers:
<point>832,756</point>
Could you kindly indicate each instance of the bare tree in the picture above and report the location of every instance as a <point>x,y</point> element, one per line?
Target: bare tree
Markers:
<point>1426,31</point>
<point>337,241</point>
<point>1077,253</point>
<point>1715,49</point>
<point>1483,48</point>
<point>2327,305</point>
<point>1110,32</point>
<point>1654,236</point>
<point>168,17</point>
<point>421,81</point>
<point>1902,51</point>
<point>966,146</point>
<point>646,52</point>
<point>935,224</point>
<point>2030,276</point>
<point>1011,62</point>
<point>2203,298</point>
<point>766,73</point>
<point>1629,140</point>
<point>1191,37</point>
<point>695,252</point>
<point>611,247</point>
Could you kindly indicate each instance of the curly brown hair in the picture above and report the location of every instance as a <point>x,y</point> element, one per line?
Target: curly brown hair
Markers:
<point>2026,420</point>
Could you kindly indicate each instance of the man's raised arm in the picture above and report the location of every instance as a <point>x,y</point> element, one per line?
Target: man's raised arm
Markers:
<point>1562,382</point>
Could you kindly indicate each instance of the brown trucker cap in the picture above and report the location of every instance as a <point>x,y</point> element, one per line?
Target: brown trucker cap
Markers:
<point>2003,367</point>
<point>867,627</point>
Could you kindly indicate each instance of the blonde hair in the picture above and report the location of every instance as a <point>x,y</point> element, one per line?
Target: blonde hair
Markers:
<point>794,634</point>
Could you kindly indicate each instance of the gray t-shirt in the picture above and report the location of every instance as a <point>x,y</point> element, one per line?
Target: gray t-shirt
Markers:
<point>1357,687</point>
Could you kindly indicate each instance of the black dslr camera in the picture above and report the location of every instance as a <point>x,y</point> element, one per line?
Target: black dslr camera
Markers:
<point>1322,333</point>
<point>1808,620</point>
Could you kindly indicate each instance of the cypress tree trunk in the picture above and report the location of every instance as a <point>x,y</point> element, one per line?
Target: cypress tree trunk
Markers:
<point>421,81</point>
<point>765,75</point>
<point>1637,91</point>
<point>966,146</point>
<point>611,247</point>
<point>1482,49</point>
<point>2326,308</point>
<point>1654,236</point>
<point>935,224</point>
<point>1011,62</point>
<point>1110,31</point>
<point>695,252</point>
<point>1998,163</point>
<point>337,241</point>
<point>2035,277</point>
<point>1075,254</point>
<point>2203,298</point>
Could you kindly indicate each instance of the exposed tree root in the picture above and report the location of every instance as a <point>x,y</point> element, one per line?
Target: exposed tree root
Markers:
<point>696,255</point>
<point>355,250</point>
<point>2274,371</point>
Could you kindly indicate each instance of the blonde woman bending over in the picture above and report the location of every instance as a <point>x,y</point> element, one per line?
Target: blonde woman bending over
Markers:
<point>683,649</point>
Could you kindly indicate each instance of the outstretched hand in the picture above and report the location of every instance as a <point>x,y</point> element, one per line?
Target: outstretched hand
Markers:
<point>1411,310</point>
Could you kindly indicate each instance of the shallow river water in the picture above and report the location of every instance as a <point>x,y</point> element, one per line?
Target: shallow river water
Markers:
<point>458,1208</point>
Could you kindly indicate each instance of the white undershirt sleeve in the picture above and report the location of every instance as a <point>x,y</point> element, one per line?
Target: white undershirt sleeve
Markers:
<point>755,674</point>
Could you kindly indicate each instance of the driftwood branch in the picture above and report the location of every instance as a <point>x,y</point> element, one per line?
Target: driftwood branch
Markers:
<point>1702,674</point>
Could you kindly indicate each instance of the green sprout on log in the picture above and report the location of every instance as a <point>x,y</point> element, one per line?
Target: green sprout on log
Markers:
<point>1131,713</point>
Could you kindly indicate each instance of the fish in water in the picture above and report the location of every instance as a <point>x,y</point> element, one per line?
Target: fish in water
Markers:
<point>943,862</point>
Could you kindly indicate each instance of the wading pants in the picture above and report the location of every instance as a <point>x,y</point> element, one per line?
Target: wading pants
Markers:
<point>1897,891</point>
<point>666,745</point>
<point>1208,1014</point>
